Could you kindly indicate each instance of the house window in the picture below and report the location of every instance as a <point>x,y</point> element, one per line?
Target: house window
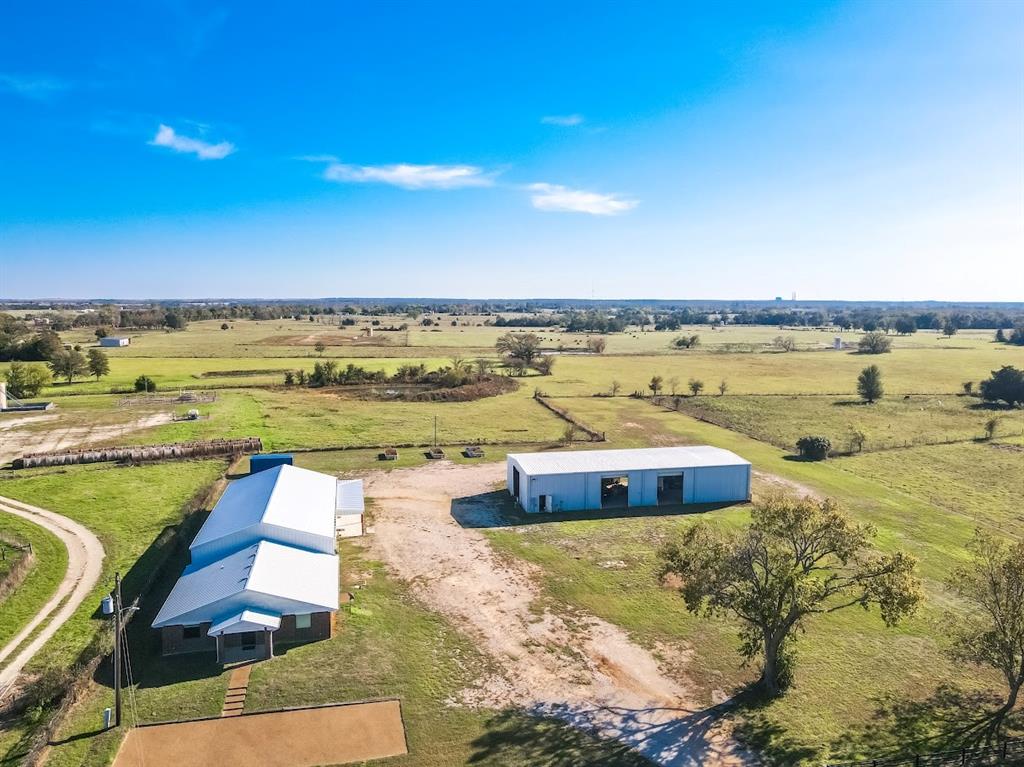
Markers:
<point>303,621</point>
<point>191,632</point>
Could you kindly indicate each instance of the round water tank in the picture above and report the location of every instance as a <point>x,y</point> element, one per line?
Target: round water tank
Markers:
<point>107,605</point>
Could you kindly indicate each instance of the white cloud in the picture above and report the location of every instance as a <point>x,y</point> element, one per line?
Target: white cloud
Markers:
<point>410,176</point>
<point>38,88</point>
<point>556,198</point>
<point>166,136</point>
<point>317,158</point>
<point>566,121</point>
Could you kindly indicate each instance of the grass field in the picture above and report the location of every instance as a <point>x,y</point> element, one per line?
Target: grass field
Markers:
<point>890,422</point>
<point>303,418</point>
<point>51,560</point>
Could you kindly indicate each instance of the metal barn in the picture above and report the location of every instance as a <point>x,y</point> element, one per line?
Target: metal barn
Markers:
<point>580,480</point>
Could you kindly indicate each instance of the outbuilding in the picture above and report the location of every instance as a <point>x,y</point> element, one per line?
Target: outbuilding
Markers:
<point>115,341</point>
<point>580,480</point>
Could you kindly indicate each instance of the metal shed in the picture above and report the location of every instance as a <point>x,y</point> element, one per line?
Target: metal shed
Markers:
<point>115,341</point>
<point>580,480</point>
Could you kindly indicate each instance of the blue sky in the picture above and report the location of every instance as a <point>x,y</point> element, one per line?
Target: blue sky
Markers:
<point>616,150</point>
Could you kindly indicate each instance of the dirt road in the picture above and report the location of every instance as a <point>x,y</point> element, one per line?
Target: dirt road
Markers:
<point>85,561</point>
<point>576,667</point>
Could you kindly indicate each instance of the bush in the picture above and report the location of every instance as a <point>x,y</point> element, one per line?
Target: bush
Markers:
<point>224,326</point>
<point>1004,385</point>
<point>26,380</point>
<point>145,383</point>
<point>875,342</point>
<point>814,448</point>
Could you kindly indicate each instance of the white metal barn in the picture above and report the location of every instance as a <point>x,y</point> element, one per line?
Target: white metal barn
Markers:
<point>581,480</point>
<point>115,341</point>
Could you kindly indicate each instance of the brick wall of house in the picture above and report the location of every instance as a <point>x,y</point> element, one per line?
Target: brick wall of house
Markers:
<point>173,641</point>
<point>321,626</point>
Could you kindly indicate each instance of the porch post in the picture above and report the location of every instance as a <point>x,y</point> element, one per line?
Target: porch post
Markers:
<point>270,643</point>
<point>218,648</point>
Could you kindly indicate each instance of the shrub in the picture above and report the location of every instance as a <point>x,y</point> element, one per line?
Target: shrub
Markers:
<point>1005,385</point>
<point>814,448</point>
<point>869,384</point>
<point>224,326</point>
<point>145,383</point>
<point>875,342</point>
<point>696,386</point>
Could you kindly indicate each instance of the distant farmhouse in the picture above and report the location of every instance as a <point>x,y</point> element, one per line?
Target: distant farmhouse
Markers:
<point>579,480</point>
<point>115,341</point>
<point>264,567</point>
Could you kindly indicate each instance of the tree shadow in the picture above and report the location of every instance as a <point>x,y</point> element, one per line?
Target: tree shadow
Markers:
<point>563,735</point>
<point>950,718</point>
<point>498,509</point>
<point>755,730</point>
<point>848,403</point>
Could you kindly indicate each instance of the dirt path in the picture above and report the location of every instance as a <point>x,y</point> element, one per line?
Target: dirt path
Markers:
<point>576,667</point>
<point>773,482</point>
<point>18,440</point>
<point>85,561</point>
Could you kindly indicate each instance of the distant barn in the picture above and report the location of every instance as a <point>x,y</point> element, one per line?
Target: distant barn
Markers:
<point>115,341</point>
<point>580,480</point>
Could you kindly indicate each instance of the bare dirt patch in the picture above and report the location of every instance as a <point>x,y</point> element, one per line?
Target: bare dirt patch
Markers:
<point>765,482</point>
<point>577,667</point>
<point>341,734</point>
<point>19,441</point>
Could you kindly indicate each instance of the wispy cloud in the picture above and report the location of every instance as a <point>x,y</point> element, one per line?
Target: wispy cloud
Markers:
<point>566,121</point>
<point>317,158</point>
<point>38,88</point>
<point>408,176</point>
<point>556,198</point>
<point>166,136</point>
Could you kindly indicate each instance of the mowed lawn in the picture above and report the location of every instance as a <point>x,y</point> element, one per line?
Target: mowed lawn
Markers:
<point>889,422</point>
<point>852,669</point>
<point>129,509</point>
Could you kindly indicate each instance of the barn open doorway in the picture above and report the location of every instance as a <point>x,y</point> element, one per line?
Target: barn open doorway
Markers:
<point>515,481</point>
<point>614,492</point>
<point>670,489</point>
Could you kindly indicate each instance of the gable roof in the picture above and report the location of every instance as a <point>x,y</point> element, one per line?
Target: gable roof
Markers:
<point>283,496</point>
<point>638,459</point>
<point>265,577</point>
<point>350,497</point>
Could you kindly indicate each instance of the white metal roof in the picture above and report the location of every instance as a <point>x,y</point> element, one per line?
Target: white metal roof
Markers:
<point>265,578</point>
<point>638,459</point>
<point>247,620</point>
<point>350,497</point>
<point>282,496</point>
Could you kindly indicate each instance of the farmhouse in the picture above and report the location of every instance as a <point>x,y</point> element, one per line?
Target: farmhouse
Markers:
<point>115,341</point>
<point>581,480</point>
<point>264,567</point>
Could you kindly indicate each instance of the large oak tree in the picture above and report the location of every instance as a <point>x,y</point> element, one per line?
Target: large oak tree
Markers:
<point>797,559</point>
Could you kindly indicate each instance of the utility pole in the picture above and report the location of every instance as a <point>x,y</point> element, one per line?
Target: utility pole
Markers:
<point>118,661</point>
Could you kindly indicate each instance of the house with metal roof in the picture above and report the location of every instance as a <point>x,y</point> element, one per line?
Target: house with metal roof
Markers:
<point>580,480</point>
<point>284,504</point>
<point>264,567</point>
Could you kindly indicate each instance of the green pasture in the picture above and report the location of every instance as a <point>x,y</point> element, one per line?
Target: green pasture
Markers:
<point>892,421</point>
